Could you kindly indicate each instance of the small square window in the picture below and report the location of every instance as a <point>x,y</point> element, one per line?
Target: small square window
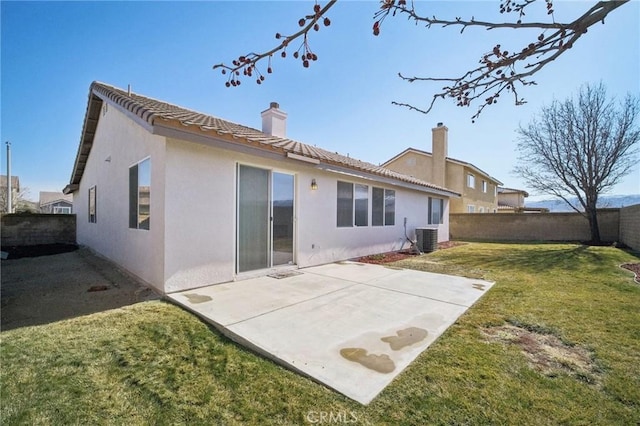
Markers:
<point>471,181</point>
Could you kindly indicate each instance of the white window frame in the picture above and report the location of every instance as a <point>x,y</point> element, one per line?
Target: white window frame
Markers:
<point>355,201</point>
<point>138,223</point>
<point>471,180</point>
<point>471,208</point>
<point>430,211</point>
<point>61,210</point>
<point>93,218</point>
<point>388,215</point>
<point>484,186</point>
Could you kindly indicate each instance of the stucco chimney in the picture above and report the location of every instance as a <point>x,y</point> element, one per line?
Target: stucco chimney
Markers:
<point>274,121</point>
<point>439,149</point>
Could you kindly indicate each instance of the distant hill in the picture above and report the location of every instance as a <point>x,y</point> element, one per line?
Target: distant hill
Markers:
<point>606,201</point>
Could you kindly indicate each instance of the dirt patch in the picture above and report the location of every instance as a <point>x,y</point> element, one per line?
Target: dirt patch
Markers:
<point>633,267</point>
<point>395,256</point>
<point>43,289</point>
<point>547,353</point>
<point>378,259</point>
<point>18,252</point>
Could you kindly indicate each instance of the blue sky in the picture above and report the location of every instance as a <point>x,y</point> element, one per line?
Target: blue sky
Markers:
<point>52,51</point>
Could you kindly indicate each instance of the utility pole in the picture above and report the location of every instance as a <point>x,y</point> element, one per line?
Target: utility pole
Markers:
<point>9,194</point>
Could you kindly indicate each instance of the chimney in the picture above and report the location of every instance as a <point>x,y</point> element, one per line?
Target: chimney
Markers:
<point>274,121</point>
<point>439,149</point>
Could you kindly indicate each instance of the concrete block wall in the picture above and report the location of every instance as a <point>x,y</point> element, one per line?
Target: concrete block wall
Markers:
<point>630,226</point>
<point>35,229</point>
<point>532,226</point>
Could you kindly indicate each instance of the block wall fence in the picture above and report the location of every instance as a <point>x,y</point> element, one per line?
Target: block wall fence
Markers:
<point>24,229</point>
<point>616,225</point>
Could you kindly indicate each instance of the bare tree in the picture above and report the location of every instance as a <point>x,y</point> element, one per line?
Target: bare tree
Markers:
<point>499,71</point>
<point>19,200</point>
<point>580,148</point>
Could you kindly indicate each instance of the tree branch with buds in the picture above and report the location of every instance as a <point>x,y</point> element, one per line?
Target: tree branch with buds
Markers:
<point>499,71</point>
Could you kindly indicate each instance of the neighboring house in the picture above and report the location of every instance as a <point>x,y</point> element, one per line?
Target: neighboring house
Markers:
<point>182,199</point>
<point>15,192</point>
<point>512,201</point>
<point>478,188</point>
<point>55,202</point>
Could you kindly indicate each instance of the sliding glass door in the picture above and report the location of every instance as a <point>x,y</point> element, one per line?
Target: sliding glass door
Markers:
<point>265,218</point>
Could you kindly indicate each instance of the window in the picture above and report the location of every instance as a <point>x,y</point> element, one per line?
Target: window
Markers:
<point>345,204</point>
<point>471,208</point>
<point>389,207</point>
<point>61,210</point>
<point>140,195</point>
<point>92,205</point>
<point>362,205</point>
<point>436,210</point>
<point>495,190</point>
<point>471,181</point>
<point>383,207</point>
<point>481,210</point>
<point>484,186</point>
<point>353,205</point>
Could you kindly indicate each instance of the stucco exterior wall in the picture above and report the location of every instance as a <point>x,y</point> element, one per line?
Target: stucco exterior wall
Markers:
<point>200,231</point>
<point>630,226</point>
<point>483,202</point>
<point>532,227</point>
<point>420,165</point>
<point>120,143</point>
<point>513,199</point>
<point>413,164</point>
<point>200,216</point>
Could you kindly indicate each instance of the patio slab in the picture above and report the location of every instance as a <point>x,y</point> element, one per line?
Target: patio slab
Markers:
<point>350,326</point>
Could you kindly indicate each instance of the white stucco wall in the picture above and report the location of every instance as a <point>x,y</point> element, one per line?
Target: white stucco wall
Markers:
<point>118,144</point>
<point>192,240</point>
<point>320,240</point>
<point>200,216</point>
<point>200,241</point>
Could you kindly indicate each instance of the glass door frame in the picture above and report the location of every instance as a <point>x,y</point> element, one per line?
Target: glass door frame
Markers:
<point>270,217</point>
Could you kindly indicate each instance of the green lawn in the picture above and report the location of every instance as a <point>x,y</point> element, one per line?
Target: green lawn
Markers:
<point>153,363</point>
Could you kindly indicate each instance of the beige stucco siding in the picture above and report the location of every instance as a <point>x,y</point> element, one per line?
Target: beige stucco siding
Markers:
<point>475,196</point>
<point>412,164</point>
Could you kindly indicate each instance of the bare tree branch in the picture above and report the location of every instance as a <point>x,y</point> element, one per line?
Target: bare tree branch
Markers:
<point>580,148</point>
<point>247,63</point>
<point>499,71</point>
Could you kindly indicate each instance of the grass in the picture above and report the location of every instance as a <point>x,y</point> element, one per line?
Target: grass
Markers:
<point>153,363</point>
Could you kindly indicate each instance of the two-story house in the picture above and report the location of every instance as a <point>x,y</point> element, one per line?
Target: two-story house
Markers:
<point>478,189</point>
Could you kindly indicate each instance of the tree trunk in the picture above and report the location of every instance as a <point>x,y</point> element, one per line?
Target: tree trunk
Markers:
<point>592,216</point>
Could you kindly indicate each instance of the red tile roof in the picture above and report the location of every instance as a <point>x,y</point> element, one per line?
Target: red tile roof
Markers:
<point>155,112</point>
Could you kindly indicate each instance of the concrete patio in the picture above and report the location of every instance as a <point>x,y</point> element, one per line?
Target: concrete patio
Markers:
<point>350,326</point>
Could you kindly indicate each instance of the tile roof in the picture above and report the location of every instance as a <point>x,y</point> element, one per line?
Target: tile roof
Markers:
<point>155,112</point>
<point>52,197</point>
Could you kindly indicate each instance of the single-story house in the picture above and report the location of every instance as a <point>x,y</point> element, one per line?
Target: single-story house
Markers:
<point>183,199</point>
<point>55,203</point>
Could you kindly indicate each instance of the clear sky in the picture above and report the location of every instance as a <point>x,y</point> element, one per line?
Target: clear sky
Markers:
<point>52,51</point>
